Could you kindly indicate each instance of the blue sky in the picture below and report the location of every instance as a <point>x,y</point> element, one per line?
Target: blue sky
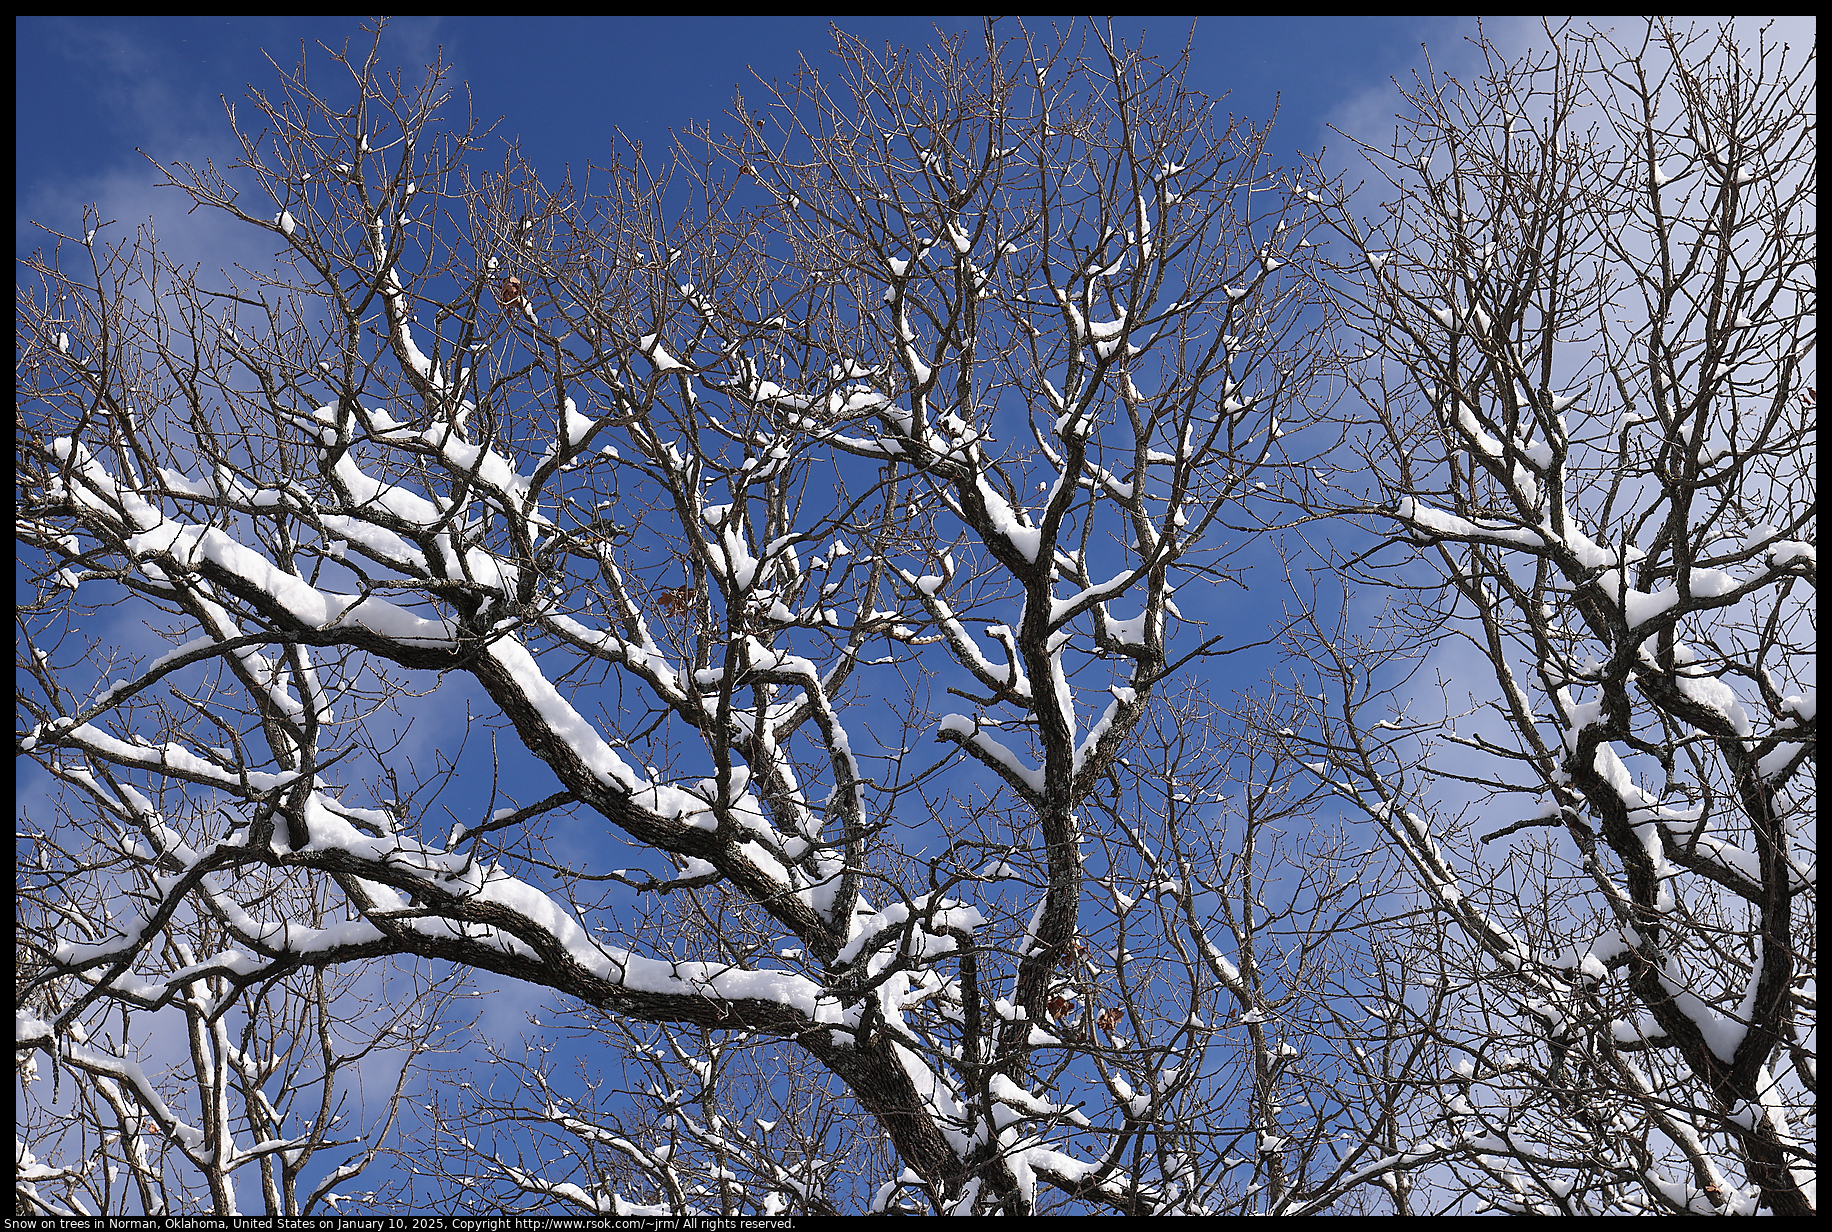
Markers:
<point>92,93</point>
<point>95,92</point>
<point>91,90</point>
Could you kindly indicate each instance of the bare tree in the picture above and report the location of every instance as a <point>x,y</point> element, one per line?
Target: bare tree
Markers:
<point>152,1112</point>
<point>701,480</point>
<point>1583,434</point>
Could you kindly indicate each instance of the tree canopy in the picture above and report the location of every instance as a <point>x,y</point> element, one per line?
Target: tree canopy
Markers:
<point>826,527</point>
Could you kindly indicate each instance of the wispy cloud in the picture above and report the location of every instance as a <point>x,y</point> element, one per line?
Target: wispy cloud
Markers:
<point>166,97</point>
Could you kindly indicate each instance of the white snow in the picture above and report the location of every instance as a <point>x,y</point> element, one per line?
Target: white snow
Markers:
<point>991,750</point>
<point>1789,550</point>
<point>650,345</point>
<point>1439,522</point>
